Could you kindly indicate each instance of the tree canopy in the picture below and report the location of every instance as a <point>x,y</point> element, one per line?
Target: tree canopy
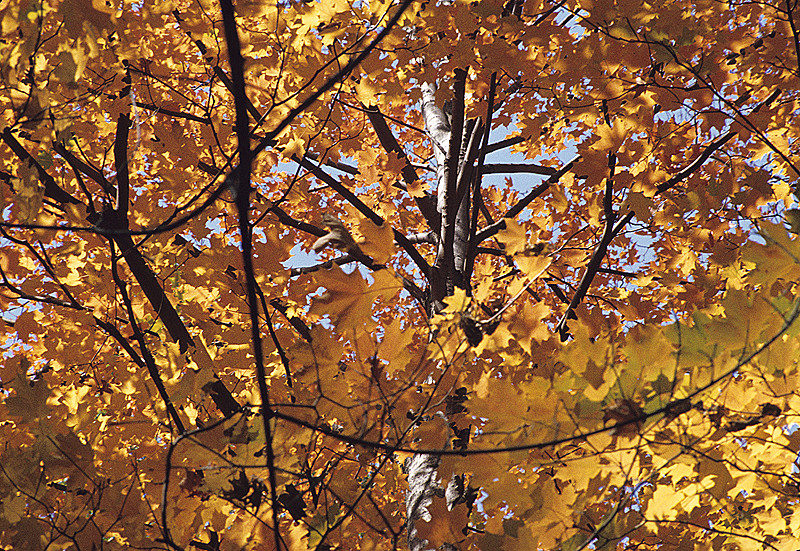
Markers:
<point>389,274</point>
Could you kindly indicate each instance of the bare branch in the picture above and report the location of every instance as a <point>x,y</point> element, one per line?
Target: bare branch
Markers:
<point>121,166</point>
<point>337,186</point>
<point>509,168</point>
<point>389,143</point>
<point>524,202</point>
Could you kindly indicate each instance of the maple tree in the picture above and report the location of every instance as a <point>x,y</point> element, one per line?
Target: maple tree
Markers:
<point>386,274</point>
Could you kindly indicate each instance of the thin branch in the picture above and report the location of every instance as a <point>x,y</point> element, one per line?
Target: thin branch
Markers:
<point>176,114</point>
<point>348,195</point>
<point>524,202</point>
<point>610,232</point>
<point>36,298</point>
<point>600,251</point>
<point>339,261</point>
<point>671,409</point>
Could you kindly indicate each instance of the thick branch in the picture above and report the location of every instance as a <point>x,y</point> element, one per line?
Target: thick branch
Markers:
<point>476,199</point>
<point>349,169</point>
<point>284,218</point>
<point>146,356</point>
<point>509,168</point>
<point>153,291</point>
<point>790,6</point>
<point>84,168</point>
<point>121,166</point>
<point>389,143</point>
<point>51,188</point>
<point>502,144</point>
<point>112,330</point>
<point>466,177</point>
<point>296,322</point>
<point>442,274</point>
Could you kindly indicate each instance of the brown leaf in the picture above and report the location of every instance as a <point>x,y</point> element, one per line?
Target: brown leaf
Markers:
<point>338,236</point>
<point>624,411</point>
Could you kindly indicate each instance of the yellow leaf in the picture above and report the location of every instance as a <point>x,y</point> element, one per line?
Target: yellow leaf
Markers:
<point>378,241</point>
<point>457,302</point>
<point>29,401</point>
<point>533,265</point>
<point>349,298</point>
<point>294,147</point>
<point>445,526</point>
<point>514,237</point>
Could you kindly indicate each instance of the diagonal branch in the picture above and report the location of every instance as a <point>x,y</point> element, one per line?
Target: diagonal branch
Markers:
<point>389,143</point>
<point>491,230</point>
<point>146,356</point>
<point>51,188</point>
<point>112,330</point>
<point>298,324</point>
<point>599,252</point>
<point>351,197</point>
<point>46,299</point>
<point>287,220</point>
<point>502,144</point>
<point>153,291</point>
<point>84,168</point>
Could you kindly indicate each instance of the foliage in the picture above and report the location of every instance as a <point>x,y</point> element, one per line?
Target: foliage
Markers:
<point>354,332</point>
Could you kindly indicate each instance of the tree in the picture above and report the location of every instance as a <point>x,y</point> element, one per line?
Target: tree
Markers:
<point>265,287</point>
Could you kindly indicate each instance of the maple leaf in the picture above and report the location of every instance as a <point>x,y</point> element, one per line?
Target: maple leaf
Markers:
<point>29,401</point>
<point>349,298</point>
<point>378,241</point>
<point>445,525</point>
<point>531,173</point>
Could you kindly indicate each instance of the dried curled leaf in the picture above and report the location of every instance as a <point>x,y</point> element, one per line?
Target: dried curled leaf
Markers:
<point>627,414</point>
<point>338,236</point>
